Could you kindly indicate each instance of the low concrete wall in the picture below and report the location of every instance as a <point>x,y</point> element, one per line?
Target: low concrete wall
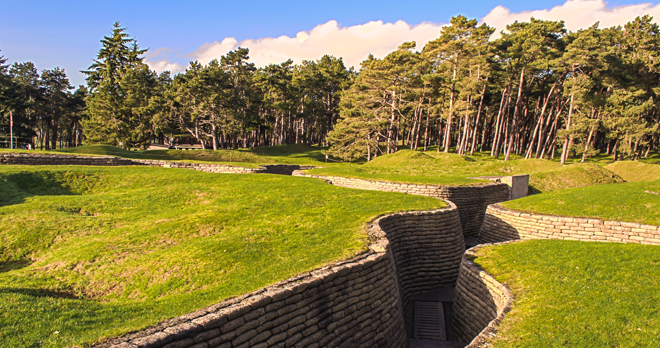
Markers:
<point>357,303</point>
<point>480,304</point>
<point>470,200</point>
<point>54,159</point>
<point>502,224</point>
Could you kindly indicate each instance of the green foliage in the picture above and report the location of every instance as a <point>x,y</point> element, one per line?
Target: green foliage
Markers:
<point>618,202</point>
<point>121,87</point>
<point>88,253</point>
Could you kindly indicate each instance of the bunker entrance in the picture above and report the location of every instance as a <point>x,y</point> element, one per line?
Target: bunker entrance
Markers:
<point>428,320</point>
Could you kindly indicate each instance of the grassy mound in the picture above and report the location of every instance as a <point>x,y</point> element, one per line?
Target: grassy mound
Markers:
<point>577,294</point>
<point>630,202</point>
<point>93,252</point>
<point>407,158</point>
<point>575,175</point>
<point>452,169</point>
<point>635,171</point>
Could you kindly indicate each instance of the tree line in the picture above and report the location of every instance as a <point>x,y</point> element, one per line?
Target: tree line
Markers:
<point>227,103</point>
<point>46,111</point>
<point>536,89</point>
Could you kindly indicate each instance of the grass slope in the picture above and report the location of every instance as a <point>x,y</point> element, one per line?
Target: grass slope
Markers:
<point>620,202</point>
<point>451,169</point>
<point>577,294</point>
<point>572,176</point>
<point>93,252</point>
<point>635,171</point>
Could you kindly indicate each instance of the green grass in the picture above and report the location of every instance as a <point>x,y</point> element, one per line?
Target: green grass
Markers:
<point>577,294</point>
<point>94,252</point>
<point>452,169</point>
<point>635,171</point>
<point>619,202</point>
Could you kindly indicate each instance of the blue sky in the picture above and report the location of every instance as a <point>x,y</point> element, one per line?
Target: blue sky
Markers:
<point>53,33</point>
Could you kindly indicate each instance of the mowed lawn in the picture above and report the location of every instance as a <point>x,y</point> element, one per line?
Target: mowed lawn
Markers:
<point>92,252</point>
<point>577,294</point>
<point>630,202</point>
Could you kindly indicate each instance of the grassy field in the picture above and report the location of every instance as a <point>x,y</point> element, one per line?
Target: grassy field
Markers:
<point>631,202</point>
<point>451,169</point>
<point>577,294</point>
<point>93,252</point>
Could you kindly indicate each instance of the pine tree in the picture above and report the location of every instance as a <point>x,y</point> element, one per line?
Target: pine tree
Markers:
<point>116,114</point>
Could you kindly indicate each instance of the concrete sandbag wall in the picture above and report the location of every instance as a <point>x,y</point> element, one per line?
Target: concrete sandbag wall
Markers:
<point>480,304</point>
<point>427,249</point>
<point>502,224</point>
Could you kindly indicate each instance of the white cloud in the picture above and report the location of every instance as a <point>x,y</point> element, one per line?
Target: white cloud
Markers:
<point>163,65</point>
<point>577,14</point>
<point>352,43</point>
<point>356,42</point>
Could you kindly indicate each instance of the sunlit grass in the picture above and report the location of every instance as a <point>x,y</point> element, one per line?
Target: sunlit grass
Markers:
<point>577,294</point>
<point>93,252</point>
<point>631,202</point>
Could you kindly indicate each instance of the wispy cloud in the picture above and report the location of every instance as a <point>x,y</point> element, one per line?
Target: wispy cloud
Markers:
<point>352,43</point>
<point>577,14</point>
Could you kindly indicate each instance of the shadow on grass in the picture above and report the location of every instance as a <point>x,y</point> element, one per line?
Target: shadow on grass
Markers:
<point>16,187</point>
<point>40,293</point>
<point>13,265</point>
<point>533,190</point>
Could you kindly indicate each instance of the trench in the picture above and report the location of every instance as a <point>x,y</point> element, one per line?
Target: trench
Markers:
<point>428,265</point>
<point>427,249</point>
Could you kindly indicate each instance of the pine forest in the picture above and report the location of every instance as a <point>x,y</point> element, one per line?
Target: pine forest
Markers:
<point>534,90</point>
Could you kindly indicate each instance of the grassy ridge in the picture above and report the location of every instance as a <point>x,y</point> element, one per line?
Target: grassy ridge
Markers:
<point>577,294</point>
<point>92,252</point>
<point>630,202</point>
<point>451,169</point>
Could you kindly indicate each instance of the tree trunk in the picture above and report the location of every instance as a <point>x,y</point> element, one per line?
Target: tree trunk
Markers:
<point>615,150</point>
<point>449,121</point>
<point>515,113</point>
<point>504,104</point>
<point>426,127</point>
<point>564,153</point>
<point>476,122</point>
